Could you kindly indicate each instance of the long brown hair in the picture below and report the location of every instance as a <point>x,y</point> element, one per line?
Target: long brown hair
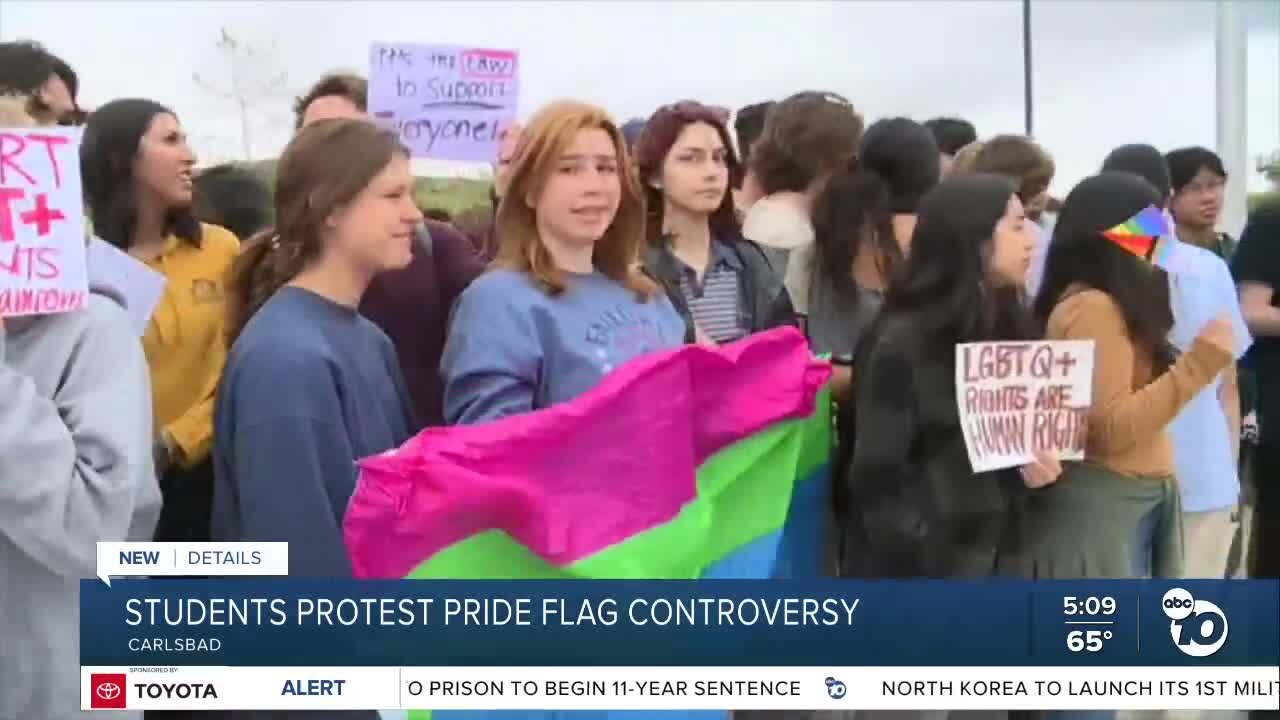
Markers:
<point>324,167</point>
<point>544,140</point>
<point>651,150</point>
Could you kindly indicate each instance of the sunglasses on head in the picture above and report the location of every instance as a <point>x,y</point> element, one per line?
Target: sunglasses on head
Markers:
<point>827,97</point>
<point>693,107</point>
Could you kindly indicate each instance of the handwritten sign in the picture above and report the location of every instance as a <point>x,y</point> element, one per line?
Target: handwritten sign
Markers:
<point>1017,398</point>
<point>447,102</point>
<point>42,239</point>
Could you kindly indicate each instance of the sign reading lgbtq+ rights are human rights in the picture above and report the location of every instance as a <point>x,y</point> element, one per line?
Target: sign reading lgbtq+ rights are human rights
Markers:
<point>160,559</point>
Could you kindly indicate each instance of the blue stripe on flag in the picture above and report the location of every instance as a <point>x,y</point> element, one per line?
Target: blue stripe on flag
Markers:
<point>798,550</point>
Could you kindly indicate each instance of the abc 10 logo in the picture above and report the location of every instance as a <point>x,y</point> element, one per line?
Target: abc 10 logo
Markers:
<point>1199,627</point>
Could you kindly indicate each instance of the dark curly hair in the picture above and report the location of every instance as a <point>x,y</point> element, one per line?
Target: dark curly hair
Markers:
<point>25,66</point>
<point>345,85</point>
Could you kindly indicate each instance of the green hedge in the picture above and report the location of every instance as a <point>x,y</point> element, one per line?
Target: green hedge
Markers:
<point>1256,200</point>
<point>452,194</point>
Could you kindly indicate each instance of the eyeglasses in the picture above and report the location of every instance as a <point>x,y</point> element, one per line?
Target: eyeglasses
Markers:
<point>1212,186</point>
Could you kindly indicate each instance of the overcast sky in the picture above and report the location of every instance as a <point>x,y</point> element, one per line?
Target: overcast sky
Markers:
<point>1106,73</point>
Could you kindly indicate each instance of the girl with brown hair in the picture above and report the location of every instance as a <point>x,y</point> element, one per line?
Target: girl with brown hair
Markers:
<point>722,283</point>
<point>311,385</point>
<point>567,302</point>
<point>75,438</point>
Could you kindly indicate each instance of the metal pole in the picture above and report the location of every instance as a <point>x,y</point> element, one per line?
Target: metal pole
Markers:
<point>1027,100</point>
<point>1232,50</point>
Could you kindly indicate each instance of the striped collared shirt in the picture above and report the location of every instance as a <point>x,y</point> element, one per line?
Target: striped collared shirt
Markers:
<point>716,301</point>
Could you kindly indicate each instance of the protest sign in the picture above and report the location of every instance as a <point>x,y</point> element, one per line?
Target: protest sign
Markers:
<point>141,286</point>
<point>446,102</point>
<point>42,238</point>
<point>1017,398</point>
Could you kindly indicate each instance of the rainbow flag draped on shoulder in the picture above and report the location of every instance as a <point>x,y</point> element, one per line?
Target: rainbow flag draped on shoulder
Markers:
<point>694,463</point>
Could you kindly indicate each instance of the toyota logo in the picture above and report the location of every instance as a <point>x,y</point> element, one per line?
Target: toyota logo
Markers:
<point>107,691</point>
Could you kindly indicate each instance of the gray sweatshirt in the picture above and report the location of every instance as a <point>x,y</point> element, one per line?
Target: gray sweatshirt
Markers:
<point>75,468</point>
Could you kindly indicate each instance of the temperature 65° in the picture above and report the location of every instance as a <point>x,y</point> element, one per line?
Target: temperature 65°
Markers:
<point>1087,640</point>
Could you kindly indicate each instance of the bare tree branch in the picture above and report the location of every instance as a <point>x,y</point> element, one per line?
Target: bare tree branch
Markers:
<point>255,83</point>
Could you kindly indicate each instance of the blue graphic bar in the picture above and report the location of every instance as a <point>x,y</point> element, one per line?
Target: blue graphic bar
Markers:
<point>281,622</point>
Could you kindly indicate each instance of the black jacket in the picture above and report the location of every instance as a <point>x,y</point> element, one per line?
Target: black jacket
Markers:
<point>908,502</point>
<point>764,302</point>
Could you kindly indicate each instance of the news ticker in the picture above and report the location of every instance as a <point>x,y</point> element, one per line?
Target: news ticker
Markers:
<point>679,688</point>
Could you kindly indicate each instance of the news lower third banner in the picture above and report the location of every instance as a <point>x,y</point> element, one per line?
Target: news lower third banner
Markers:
<point>275,643</point>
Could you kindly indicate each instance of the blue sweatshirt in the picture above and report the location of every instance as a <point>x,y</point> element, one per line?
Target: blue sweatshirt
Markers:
<point>513,348</point>
<point>310,387</point>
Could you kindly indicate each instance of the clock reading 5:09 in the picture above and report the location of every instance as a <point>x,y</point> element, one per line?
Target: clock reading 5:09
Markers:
<point>1087,606</point>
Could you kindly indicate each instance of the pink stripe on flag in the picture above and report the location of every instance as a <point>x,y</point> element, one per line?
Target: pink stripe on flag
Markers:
<point>576,478</point>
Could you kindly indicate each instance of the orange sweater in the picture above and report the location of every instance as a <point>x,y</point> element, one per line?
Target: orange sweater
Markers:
<point>1131,408</point>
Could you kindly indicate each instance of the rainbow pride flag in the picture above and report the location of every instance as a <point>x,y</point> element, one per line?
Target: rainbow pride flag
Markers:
<point>1139,233</point>
<point>695,463</point>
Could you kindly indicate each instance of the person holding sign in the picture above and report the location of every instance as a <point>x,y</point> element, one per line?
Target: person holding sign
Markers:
<point>567,302</point>
<point>722,283</point>
<point>75,470</point>
<point>138,182</point>
<point>311,385</point>
<point>1117,513</point>
<point>907,499</point>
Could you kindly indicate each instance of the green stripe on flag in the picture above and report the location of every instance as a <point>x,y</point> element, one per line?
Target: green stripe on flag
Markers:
<point>743,493</point>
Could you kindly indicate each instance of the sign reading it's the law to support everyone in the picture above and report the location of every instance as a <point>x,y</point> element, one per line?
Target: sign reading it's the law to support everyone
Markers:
<point>1020,398</point>
<point>42,240</point>
<point>446,102</point>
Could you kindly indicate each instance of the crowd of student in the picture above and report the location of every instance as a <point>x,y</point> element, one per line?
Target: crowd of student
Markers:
<point>326,321</point>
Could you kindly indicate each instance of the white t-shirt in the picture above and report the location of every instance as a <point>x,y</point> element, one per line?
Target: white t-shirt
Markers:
<point>777,223</point>
<point>1200,289</point>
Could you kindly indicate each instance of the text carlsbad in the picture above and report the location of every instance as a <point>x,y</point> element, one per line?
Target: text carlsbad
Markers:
<point>491,612</point>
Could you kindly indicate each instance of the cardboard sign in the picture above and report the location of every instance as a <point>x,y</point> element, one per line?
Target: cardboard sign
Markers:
<point>446,102</point>
<point>141,286</point>
<point>42,238</point>
<point>1017,398</point>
